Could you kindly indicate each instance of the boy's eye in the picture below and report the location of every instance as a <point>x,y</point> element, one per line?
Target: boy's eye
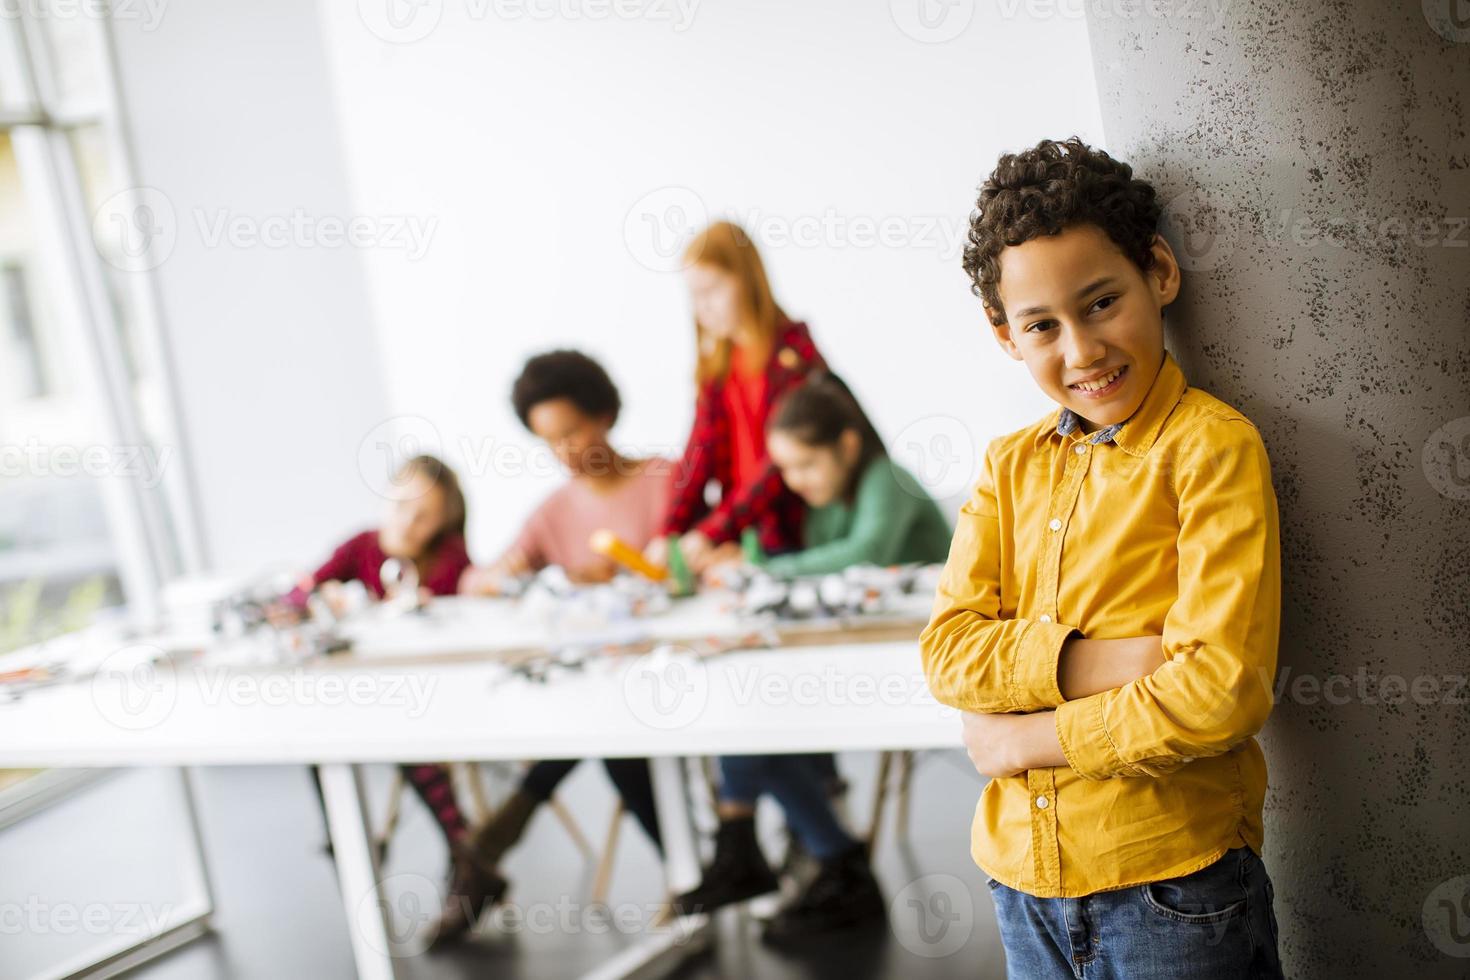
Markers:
<point>1040,325</point>
<point>1104,303</point>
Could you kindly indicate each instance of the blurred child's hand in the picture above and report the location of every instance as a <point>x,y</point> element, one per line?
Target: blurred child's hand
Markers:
<point>697,550</point>
<point>593,573</point>
<point>657,552</point>
<point>480,580</point>
<point>490,579</point>
<point>282,614</point>
<point>720,563</point>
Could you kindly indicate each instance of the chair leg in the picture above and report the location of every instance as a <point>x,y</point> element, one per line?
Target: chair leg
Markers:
<point>905,778</point>
<point>573,831</point>
<point>880,797</point>
<point>603,879</point>
<point>390,819</point>
<point>476,780</point>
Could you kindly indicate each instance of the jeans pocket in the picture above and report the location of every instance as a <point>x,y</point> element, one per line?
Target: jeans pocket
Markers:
<point>1212,894</point>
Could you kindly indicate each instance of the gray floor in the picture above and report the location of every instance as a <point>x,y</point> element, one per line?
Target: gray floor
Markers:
<point>279,915</point>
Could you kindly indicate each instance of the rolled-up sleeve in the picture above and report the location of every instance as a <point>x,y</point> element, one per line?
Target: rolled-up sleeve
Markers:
<point>1214,689</point>
<point>975,659</point>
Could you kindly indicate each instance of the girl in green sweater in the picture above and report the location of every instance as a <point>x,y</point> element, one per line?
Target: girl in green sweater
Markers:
<point>862,509</point>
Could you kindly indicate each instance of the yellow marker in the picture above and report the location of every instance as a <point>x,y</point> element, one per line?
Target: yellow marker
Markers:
<point>609,545</point>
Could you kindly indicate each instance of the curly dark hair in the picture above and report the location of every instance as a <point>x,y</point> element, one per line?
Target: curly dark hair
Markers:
<point>1049,187</point>
<point>565,374</point>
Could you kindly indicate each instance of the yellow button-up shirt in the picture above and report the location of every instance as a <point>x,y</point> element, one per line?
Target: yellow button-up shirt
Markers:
<point>1169,529</point>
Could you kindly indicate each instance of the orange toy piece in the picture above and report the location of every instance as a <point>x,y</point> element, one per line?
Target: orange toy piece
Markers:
<point>609,545</point>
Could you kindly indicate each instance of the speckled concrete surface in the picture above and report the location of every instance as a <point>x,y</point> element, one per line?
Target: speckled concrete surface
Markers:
<point>1317,167</point>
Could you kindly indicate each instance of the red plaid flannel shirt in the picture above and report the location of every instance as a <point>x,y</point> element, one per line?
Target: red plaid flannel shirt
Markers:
<point>764,503</point>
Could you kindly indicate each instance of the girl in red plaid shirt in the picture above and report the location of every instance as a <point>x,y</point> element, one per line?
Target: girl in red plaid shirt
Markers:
<point>750,354</point>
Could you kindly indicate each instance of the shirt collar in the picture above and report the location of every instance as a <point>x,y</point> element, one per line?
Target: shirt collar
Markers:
<point>1136,434</point>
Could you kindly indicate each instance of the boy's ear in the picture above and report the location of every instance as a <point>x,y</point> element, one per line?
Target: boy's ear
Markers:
<point>1002,331</point>
<point>1165,275</point>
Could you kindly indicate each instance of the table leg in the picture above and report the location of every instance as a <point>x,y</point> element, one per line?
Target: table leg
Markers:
<point>357,870</point>
<point>681,849</point>
<point>672,942</point>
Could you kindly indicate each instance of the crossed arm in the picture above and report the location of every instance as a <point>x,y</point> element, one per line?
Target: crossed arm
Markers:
<point>1036,694</point>
<point>1007,744</point>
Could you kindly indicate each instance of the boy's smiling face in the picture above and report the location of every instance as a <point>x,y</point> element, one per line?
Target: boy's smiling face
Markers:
<point>1086,320</point>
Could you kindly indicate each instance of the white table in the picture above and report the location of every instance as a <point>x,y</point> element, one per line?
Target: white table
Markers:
<point>375,707</point>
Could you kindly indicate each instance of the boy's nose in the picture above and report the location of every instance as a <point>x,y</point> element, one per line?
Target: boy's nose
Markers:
<point>1081,349</point>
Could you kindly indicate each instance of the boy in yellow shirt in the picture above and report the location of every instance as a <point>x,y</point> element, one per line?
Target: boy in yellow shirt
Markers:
<point>1108,616</point>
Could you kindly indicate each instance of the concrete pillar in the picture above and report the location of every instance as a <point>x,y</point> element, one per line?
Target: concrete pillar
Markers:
<point>1316,163</point>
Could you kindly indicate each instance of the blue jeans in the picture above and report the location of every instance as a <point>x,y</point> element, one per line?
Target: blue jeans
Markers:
<point>799,783</point>
<point>1209,925</point>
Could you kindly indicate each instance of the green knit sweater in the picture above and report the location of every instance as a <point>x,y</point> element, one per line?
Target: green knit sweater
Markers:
<point>891,521</point>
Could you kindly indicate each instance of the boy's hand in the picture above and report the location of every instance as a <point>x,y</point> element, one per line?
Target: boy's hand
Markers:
<point>1009,744</point>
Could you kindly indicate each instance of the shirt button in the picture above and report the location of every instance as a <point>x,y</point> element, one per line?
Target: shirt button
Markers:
<point>1080,449</point>
<point>1041,803</point>
<point>1045,618</point>
<point>1055,524</point>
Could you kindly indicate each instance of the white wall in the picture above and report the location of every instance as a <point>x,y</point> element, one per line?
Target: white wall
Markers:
<point>277,362</point>
<point>531,142</point>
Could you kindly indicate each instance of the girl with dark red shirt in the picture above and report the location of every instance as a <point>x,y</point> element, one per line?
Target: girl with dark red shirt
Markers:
<point>425,528</point>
